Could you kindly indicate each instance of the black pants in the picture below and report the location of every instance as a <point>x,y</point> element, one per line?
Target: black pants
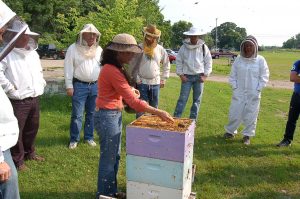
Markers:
<point>293,116</point>
<point>27,112</point>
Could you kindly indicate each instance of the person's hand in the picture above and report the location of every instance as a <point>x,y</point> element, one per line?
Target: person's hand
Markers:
<point>183,78</point>
<point>202,78</point>
<point>165,116</point>
<point>162,83</point>
<point>70,91</point>
<point>5,172</point>
<point>136,92</point>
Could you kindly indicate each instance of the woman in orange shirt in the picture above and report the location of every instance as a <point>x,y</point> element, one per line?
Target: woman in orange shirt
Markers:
<point>113,88</point>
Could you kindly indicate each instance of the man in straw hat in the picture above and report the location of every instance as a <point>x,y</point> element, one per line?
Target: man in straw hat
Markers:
<point>249,75</point>
<point>149,79</point>
<point>113,89</point>
<point>22,79</point>
<point>82,67</point>
<point>9,130</point>
<point>193,66</point>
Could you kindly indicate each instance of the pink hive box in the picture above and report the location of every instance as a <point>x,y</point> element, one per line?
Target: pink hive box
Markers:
<point>148,136</point>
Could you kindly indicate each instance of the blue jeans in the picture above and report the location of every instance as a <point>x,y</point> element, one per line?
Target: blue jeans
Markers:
<point>10,188</point>
<point>84,97</point>
<point>108,124</point>
<point>193,81</point>
<point>150,94</point>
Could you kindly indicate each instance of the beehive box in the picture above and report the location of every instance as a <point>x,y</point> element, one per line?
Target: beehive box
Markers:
<point>137,190</point>
<point>165,173</point>
<point>149,136</point>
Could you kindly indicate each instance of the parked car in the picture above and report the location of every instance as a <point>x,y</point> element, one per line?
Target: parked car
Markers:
<point>50,51</point>
<point>170,51</point>
<point>172,58</point>
<point>223,53</point>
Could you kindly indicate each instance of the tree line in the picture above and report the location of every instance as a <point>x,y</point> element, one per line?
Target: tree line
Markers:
<point>59,21</point>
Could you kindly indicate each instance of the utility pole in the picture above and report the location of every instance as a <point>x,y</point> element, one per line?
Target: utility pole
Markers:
<point>216,33</point>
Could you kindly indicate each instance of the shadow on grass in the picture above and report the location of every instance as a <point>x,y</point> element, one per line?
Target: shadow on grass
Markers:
<point>59,195</point>
<point>270,194</point>
<point>230,165</point>
<point>54,195</point>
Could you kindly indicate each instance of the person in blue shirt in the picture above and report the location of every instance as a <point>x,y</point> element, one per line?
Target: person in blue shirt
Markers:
<point>294,107</point>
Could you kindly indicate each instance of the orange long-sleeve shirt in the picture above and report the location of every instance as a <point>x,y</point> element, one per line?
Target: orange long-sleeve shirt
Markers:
<point>113,88</point>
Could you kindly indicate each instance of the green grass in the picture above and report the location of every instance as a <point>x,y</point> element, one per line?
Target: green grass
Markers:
<point>225,169</point>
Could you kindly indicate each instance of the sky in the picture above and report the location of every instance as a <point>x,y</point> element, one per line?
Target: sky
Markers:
<point>272,22</point>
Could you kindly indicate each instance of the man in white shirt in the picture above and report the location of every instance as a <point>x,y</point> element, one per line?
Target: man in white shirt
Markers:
<point>22,80</point>
<point>193,66</point>
<point>149,79</point>
<point>9,131</point>
<point>82,67</point>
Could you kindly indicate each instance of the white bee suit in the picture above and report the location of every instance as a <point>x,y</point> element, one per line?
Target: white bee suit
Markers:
<point>248,77</point>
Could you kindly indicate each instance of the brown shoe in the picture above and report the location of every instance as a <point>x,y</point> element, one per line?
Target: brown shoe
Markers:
<point>36,158</point>
<point>22,167</point>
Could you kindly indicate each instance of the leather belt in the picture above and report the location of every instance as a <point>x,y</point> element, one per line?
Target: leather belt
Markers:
<point>77,80</point>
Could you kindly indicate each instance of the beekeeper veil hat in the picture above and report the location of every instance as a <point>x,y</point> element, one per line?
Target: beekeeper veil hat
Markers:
<point>7,19</point>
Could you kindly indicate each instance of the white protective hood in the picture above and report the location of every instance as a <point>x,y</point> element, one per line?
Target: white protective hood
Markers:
<point>81,44</point>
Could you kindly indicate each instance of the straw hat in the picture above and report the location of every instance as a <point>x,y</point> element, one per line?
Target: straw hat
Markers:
<point>194,32</point>
<point>124,43</point>
<point>152,31</point>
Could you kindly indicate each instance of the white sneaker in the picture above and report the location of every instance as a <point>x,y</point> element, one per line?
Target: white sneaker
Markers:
<point>91,143</point>
<point>73,145</point>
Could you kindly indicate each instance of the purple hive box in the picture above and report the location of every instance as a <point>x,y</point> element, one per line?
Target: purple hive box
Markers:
<point>160,144</point>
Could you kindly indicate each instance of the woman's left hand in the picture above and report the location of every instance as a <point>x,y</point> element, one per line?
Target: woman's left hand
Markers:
<point>136,92</point>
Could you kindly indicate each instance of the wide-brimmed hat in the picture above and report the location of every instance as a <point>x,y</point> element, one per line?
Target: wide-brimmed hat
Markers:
<point>124,43</point>
<point>17,25</point>
<point>6,14</point>
<point>152,31</point>
<point>193,31</point>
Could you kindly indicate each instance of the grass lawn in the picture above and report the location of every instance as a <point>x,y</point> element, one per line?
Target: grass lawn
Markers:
<point>279,62</point>
<point>225,169</point>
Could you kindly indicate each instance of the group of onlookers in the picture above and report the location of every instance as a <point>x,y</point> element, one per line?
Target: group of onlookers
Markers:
<point>102,82</point>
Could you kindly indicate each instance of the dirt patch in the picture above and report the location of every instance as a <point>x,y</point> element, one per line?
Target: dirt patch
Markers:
<point>154,122</point>
<point>53,69</point>
<point>272,83</point>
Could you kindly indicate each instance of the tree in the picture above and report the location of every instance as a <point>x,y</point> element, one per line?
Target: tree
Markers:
<point>150,11</point>
<point>59,21</point>
<point>293,42</point>
<point>209,41</point>
<point>229,35</point>
<point>117,18</point>
<point>177,33</point>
